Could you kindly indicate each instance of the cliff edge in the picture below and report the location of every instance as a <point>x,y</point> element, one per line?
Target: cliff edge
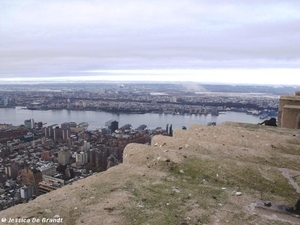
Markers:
<point>203,175</point>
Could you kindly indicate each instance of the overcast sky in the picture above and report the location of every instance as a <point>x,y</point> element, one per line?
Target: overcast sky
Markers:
<point>234,41</point>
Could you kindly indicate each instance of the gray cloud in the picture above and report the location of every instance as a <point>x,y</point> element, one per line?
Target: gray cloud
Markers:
<point>64,37</point>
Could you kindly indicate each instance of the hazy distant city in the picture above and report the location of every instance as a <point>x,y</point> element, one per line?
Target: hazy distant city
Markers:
<point>178,98</point>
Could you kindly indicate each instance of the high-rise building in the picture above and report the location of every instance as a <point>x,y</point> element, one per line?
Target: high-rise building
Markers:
<point>84,146</point>
<point>82,158</point>
<point>48,131</point>
<point>29,123</point>
<point>64,156</point>
<point>26,192</point>
<point>101,158</point>
<point>92,156</point>
<point>40,125</point>
<point>112,125</point>
<point>169,130</point>
<point>69,173</point>
<point>12,169</point>
<point>65,134</point>
<point>57,133</point>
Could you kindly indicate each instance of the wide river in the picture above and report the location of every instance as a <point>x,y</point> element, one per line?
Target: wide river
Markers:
<point>96,119</point>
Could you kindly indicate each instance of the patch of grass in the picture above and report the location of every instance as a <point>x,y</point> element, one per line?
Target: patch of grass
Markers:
<point>238,175</point>
<point>294,140</point>
<point>169,201</point>
<point>153,205</point>
<point>95,192</point>
<point>275,160</point>
<point>194,185</point>
<point>288,148</point>
<point>204,218</point>
<point>296,176</point>
<point>72,219</point>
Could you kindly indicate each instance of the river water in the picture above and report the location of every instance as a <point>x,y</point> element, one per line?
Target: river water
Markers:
<point>97,119</point>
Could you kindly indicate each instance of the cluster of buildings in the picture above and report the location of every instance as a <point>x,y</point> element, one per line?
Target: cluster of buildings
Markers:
<point>137,99</point>
<point>175,103</point>
<point>36,159</point>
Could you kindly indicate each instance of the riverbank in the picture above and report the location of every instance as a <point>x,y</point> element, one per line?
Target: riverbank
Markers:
<point>97,119</point>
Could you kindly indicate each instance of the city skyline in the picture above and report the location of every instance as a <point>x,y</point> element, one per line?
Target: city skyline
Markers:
<point>203,41</point>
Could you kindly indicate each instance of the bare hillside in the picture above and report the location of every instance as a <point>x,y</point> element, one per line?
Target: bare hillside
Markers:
<point>203,175</point>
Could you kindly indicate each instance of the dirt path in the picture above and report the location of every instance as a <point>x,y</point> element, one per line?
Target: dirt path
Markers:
<point>287,175</point>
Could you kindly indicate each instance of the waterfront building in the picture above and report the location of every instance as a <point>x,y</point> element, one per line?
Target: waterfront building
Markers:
<point>29,124</point>
<point>40,125</point>
<point>112,125</point>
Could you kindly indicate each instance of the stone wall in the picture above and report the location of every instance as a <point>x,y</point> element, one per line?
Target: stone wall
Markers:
<point>289,111</point>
